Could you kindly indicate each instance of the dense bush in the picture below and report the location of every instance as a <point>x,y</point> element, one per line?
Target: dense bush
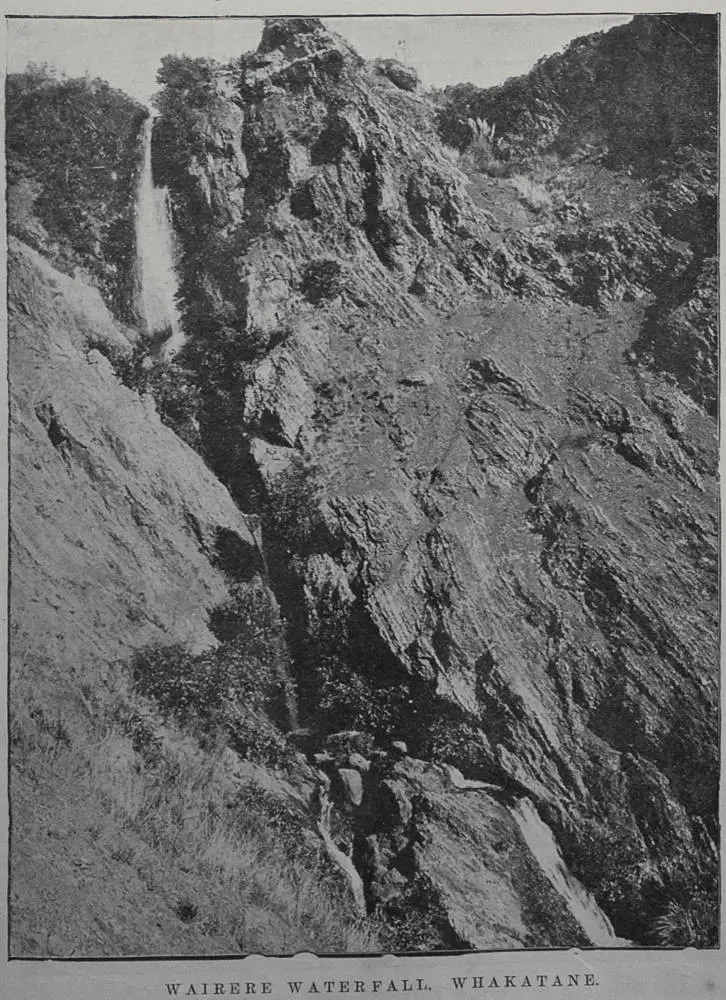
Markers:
<point>454,741</point>
<point>234,688</point>
<point>294,511</point>
<point>76,141</point>
<point>635,94</point>
<point>349,701</point>
<point>671,903</point>
<point>170,383</point>
<point>346,676</point>
<point>182,101</point>
<point>322,280</point>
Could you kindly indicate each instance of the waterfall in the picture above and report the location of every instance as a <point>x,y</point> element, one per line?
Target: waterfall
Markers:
<point>157,281</point>
<point>581,903</point>
<point>338,857</point>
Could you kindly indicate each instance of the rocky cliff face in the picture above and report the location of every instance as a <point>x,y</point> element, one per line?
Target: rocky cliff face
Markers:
<point>508,515</point>
<point>96,478</point>
<point>642,99</point>
<point>466,402</point>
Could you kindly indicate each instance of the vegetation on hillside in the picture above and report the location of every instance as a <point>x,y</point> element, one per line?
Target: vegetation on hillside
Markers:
<point>169,382</point>
<point>239,689</point>
<point>159,821</point>
<point>632,96</point>
<point>72,158</point>
<point>212,296</point>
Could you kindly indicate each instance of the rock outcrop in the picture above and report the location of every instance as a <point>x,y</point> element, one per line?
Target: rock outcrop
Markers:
<point>449,866</point>
<point>504,544</point>
<point>100,488</point>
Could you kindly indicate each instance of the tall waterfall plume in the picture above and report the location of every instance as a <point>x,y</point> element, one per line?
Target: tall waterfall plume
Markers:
<point>157,279</point>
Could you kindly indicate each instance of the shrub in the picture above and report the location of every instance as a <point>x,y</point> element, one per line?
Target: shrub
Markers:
<point>322,280</point>
<point>613,865</point>
<point>281,817</point>
<point>166,674</point>
<point>455,742</point>
<point>294,512</point>
<point>236,688</point>
<point>481,157</point>
<point>342,744</point>
<point>143,732</point>
<point>349,701</point>
<point>250,627</point>
<point>690,916</point>
<point>688,925</point>
<point>130,366</point>
<point>249,613</point>
<point>186,910</point>
<point>177,399</point>
<point>204,685</point>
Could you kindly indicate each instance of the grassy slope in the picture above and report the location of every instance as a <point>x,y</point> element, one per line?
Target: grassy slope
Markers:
<point>128,836</point>
<point>130,839</point>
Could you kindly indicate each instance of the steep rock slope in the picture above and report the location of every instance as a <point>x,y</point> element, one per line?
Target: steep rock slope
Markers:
<point>132,833</point>
<point>100,489</point>
<point>115,525</point>
<point>640,99</point>
<point>136,831</point>
<point>491,525</point>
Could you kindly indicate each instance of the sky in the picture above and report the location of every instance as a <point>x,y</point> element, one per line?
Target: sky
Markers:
<point>482,50</point>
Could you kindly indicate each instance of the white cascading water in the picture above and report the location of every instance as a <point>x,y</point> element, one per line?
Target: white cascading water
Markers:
<point>157,280</point>
<point>581,903</point>
<point>338,857</point>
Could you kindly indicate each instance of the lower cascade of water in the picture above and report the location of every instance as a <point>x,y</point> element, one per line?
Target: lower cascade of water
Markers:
<point>157,279</point>
<point>339,858</point>
<point>581,903</point>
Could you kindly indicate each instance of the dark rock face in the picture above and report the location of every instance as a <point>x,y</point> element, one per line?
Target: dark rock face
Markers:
<point>523,542</point>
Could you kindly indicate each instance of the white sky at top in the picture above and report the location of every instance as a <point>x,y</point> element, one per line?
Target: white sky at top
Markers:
<point>482,50</point>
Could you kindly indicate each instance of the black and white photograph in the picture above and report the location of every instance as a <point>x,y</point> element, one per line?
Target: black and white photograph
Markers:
<point>364,488</point>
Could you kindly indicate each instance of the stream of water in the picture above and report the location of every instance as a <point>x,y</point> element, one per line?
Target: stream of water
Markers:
<point>157,279</point>
<point>582,904</point>
<point>338,857</point>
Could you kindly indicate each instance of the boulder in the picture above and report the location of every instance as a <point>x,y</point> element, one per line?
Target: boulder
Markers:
<point>359,763</point>
<point>395,803</point>
<point>352,785</point>
<point>403,77</point>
